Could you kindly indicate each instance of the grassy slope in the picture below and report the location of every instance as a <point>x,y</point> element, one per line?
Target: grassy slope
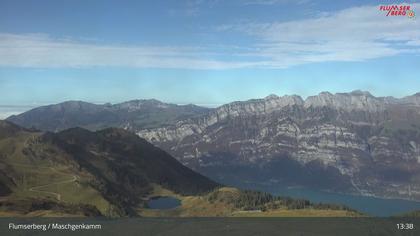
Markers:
<point>37,168</point>
<point>200,206</point>
<point>40,213</point>
<point>35,177</point>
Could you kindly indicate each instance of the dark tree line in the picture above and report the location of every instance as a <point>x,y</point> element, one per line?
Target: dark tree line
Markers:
<point>256,200</point>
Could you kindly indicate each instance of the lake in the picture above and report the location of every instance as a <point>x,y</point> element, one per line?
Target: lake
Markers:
<point>163,203</point>
<point>369,205</point>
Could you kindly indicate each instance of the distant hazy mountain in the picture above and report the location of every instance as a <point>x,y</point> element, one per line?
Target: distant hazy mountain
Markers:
<point>351,142</point>
<point>136,114</point>
<point>110,170</point>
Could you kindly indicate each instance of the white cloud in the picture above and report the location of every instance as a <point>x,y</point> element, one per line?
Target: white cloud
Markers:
<point>42,51</point>
<point>353,34</point>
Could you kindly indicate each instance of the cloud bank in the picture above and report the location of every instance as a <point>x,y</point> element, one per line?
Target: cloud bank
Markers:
<point>353,34</point>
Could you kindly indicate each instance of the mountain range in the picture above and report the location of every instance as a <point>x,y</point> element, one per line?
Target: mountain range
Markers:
<point>114,173</point>
<point>346,142</point>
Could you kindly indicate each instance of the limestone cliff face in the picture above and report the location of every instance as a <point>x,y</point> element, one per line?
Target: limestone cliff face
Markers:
<point>352,141</point>
<point>374,141</point>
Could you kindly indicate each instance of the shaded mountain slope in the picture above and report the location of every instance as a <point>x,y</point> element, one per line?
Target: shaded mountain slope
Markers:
<point>129,156</point>
<point>110,169</point>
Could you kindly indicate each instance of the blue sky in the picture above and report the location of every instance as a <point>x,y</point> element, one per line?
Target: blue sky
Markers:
<point>202,52</point>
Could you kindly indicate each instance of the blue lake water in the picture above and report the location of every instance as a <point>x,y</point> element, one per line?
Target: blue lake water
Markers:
<point>164,203</point>
<point>369,205</point>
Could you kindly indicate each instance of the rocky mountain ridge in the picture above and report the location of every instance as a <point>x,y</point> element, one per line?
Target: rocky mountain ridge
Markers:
<point>370,141</point>
<point>359,101</point>
<point>351,142</point>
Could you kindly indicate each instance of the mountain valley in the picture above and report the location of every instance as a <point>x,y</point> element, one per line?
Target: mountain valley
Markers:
<point>115,173</point>
<point>346,142</point>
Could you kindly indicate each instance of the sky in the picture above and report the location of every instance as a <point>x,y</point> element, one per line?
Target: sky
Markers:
<point>202,52</point>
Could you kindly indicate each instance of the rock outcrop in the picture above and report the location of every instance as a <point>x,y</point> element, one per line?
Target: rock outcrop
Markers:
<point>373,142</point>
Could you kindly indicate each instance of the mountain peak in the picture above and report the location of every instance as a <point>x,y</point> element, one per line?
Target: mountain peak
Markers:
<point>271,96</point>
<point>355,100</point>
<point>72,105</point>
<point>142,101</point>
<point>361,93</point>
<point>325,93</point>
<point>137,104</point>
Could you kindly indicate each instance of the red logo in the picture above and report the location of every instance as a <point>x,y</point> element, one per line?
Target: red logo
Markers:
<point>411,13</point>
<point>397,10</point>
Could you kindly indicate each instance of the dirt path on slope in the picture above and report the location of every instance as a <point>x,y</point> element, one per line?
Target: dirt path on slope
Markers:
<point>55,194</point>
<point>34,189</point>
